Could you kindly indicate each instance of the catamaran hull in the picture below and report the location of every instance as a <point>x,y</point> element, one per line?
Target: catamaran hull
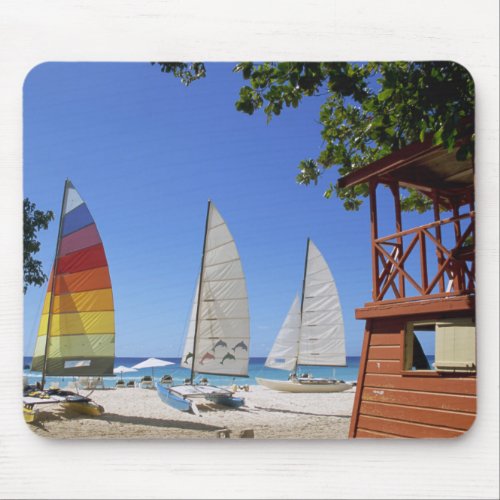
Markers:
<point>311,386</point>
<point>29,414</point>
<point>74,402</point>
<point>84,407</point>
<point>183,403</point>
<point>231,402</point>
<point>172,400</point>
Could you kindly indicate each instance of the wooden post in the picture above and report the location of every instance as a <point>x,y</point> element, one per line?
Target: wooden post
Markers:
<point>439,252</point>
<point>458,277</point>
<point>423,260</point>
<point>399,227</point>
<point>374,235</point>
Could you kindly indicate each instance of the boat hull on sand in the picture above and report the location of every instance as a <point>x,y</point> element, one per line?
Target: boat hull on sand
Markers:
<point>90,407</point>
<point>311,385</point>
<point>180,397</point>
<point>67,399</point>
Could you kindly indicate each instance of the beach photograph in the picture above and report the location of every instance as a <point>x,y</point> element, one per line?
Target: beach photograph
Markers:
<point>249,250</point>
<point>271,250</point>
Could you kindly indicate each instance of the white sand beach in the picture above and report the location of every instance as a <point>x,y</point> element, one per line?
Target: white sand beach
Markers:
<point>134,413</point>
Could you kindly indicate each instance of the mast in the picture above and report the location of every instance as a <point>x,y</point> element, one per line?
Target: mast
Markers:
<point>302,304</point>
<point>199,292</point>
<point>53,287</point>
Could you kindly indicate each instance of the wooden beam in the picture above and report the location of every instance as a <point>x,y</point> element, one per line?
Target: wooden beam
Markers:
<point>361,376</point>
<point>414,308</point>
<point>374,236</point>
<point>399,228</point>
<point>388,163</point>
<point>387,272</point>
<point>399,268</point>
<point>424,226</point>
<point>459,278</point>
<point>439,253</point>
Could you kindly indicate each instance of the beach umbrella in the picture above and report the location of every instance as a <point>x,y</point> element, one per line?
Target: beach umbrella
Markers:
<point>152,363</point>
<point>123,369</point>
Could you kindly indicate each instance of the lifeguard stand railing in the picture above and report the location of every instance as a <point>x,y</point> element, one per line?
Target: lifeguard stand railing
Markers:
<point>434,260</point>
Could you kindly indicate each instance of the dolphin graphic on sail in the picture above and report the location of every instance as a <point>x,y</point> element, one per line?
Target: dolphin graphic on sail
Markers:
<point>220,343</point>
<point>205,357</point>
<point>242,345</point>
<point>188,356</point>
<point>227,356</point>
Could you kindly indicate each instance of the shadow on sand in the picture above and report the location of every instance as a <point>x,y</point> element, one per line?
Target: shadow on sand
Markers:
<point>156,422</point>
<point>277,410</point>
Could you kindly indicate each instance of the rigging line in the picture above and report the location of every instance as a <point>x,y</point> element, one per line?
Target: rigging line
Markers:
<point>213,301</point>
<point>220,263</point>
<point>217,225</point>
<point>220,246</point>
<point>318,271</point>
<point>223,280</point>
<point>223,319</point>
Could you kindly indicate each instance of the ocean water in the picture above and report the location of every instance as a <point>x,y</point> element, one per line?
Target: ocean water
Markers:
<point>256,369</point>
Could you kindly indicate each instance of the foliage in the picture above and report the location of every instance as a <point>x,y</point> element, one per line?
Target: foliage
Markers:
<point>369,111</point>
<point>34,221</point>
<point>187,73</point>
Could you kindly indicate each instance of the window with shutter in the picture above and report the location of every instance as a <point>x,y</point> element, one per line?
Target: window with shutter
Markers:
<point>456,345</point>
<point>440,346</point>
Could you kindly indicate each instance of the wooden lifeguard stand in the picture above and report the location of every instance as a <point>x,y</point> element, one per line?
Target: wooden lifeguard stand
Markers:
<point>423,284</point>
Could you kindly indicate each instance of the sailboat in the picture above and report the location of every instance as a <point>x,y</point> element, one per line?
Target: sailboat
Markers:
<point>312,333</point>
<point>76,336</point>
<point>217,341</point>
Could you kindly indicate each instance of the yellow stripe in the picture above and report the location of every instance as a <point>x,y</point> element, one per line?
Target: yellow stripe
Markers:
<point>46,303</point>
<point>78,323</point>
<point>39,346</point>
<point>42,329</point>
<point>95,345</point>
<point>94,300</point>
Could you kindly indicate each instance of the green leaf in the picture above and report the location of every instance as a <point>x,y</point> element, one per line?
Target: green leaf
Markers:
<point>385,94</point>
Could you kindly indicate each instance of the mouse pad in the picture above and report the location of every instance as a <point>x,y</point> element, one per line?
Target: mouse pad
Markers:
<point>271,250</point>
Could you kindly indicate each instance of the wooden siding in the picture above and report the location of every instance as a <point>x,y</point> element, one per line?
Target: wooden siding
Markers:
<point>392,404</point>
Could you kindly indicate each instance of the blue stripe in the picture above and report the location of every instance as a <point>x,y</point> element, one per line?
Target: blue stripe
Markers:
<point>76,219</point>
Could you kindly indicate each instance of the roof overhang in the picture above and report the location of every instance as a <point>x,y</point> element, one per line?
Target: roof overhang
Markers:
<point>422,166</point>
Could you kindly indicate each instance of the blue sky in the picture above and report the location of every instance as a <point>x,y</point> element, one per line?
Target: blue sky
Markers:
<point>146,153</point>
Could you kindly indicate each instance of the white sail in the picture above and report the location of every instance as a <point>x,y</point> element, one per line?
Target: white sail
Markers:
<point>222,333</point>
<point>187,355</point>
<point>285,349</point>
<point>322,332</point>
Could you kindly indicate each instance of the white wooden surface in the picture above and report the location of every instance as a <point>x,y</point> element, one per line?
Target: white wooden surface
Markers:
<point>35,31</point>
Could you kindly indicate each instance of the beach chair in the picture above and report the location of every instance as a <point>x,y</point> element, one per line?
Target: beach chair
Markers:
<point>120,384</point>
<point>131,383</point>
<point>146,382</point>
<point>166,380</point>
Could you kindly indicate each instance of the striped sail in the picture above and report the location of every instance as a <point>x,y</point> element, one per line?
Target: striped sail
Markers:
<point>219,332</point>
<point>322,331</point>
<point>285,349</point>
<point>78,306</point>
